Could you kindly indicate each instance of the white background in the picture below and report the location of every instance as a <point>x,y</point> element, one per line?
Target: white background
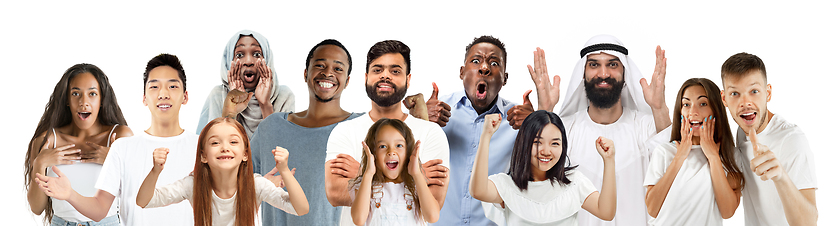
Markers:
<point>797,41</point>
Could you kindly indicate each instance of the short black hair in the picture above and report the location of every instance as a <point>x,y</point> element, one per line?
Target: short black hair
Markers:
<point>165,59</point>
<point>492,40</point>
<point>335,43</point>
<point>386,47</point>
<point>520,160</point>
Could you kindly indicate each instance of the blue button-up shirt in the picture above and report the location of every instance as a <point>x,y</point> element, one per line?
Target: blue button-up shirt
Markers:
<point>464,132</point>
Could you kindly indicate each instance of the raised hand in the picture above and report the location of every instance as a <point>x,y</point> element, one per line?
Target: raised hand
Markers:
<point>63,155</point>
<point>684,145</point>
<point>707,139</point>
<point>159,157</point>
<point>655,92</point>
<point>234,78</point>
<point>371,164</point>
<point>492,122</point>
<point>277,179</point>
<point>764,164</point>
<point>414,163</point>
<point>281,158</point>
<point>98,154</point>
<point>439,111</point>
<point>235,102</point>
<point>548,93</point>
<point>56,187</point>
<point>416,106</point>
<point>606,148</point>
<point>518,113</point>
<point>263,89</point>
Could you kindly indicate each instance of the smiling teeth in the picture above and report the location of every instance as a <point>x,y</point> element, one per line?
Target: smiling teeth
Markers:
<point>326,85</point>
<point>164,106</point>
<point>545,160</point>
<point>747,114</point>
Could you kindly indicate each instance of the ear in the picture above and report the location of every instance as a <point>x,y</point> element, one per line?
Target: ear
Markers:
<point>245,159</point>
<point>462,73</point>
<point>203,159</point>
<point>407,80</point>
<point>186,98</point>
<point>769,92</point>
<point>144,101</point>
<point>723,98</point>
<point>305,73</point>
<point>504,82</point>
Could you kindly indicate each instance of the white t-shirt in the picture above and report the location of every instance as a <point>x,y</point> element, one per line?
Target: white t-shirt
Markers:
<point>347,138</point>
<point>635,136</point>
<point>691,199</point>
<point>762,205</point>
<point>543,203</point>
<point>129,162</point>
<point>224,210</point>
<point>393,200</point>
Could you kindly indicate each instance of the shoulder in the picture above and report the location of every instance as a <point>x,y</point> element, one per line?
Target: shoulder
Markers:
<point>123,131</point>
<point>505,104</point>
<point>275,119</point>
<point>417,125</point>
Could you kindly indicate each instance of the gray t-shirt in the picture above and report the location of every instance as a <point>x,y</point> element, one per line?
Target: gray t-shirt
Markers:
<point>307,151</point>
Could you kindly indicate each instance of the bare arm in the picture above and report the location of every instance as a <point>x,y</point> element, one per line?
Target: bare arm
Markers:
<point>361,204</point>
<point>480,186</point>
<point>429,202</point>
<point>41,159</point>
<point>656,194</point>
<point>437,179</point>
<point>655,92</point>
<point>602,204</point>
<point>727,189</point>
<point>147,189</point>
<point>296,195</point>
<point>337,175</point>
<point>95,207</point>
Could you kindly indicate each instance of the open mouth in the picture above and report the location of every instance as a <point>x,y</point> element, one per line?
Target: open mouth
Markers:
<point>225,158</point>
<point>481,91</point>
<point>749,117</point>
<point>249,76</point>
<point>164,107</point>
<point>392,164</point>
<point>695,124</point>
<point>84,115</point>
<point>545,160</point>
<point>326,84</point>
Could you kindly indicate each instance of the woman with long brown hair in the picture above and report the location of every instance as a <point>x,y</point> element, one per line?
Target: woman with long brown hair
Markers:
<point>223,189</point>
<point>694,180</point>
<point>80,122</point>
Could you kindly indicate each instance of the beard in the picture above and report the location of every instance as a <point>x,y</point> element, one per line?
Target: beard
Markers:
<point>389,100</point>
<point>322,100</point>
<point>603,97</point>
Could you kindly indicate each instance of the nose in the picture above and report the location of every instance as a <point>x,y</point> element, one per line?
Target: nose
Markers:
<point>163,94</point>
<point>248,60</point>
<point>484,69</point>
<point>85,101</point>
<point>603,72</point>
<point>384,76</point>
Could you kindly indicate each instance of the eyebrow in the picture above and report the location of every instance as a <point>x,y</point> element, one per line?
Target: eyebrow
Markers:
<point>334,61</point>
<point>170,80</point>
<point>77,88</point>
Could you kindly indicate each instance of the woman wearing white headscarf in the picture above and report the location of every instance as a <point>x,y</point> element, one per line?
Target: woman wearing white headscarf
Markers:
<point>247,66</point>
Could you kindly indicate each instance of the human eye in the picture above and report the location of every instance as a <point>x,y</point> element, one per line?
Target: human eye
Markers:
<point>377,70</point>
<point>214,143</point>
<point>339,69</point>
<point>494,63</point>
<point>234,142</point>
<point>395,71</point>
<point>613,64</point>
<point>475,61</point>
<point>704,104</point>
<point>258,54</point>
<point>400,145</point>
<point>153,87</point>
<point>239,55</point>
<point>381,146</point>
<point>173,86</point>
<point>593,64</point>
<point>754,91</point>
<point>319,65</point>
<point>74,94</point>
<point>733,94</point>
<point>93,94</point>
<point>686,104</point>
<point>555,143</point>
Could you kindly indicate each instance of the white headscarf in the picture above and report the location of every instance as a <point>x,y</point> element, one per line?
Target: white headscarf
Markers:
<point>631,94</point>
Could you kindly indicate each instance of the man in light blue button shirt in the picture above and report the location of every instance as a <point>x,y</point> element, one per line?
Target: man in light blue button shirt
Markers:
<point>483,75</point>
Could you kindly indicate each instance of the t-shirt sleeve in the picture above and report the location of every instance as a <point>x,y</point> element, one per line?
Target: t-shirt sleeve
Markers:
<point>172,193</point>
<point>110,176</point>
<point>341,141</point>
<point>800,163</point>
<point>585,186</point>
<point>656,167</point>
<point>274,196</point>
<point>436,146</point>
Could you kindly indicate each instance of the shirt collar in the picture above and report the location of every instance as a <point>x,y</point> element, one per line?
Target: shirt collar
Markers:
<point>463,100</point>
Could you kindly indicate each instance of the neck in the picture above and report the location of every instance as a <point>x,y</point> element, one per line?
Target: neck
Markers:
<point>392,112</point>
<point>225,182</point>
<point>318,109</point>
<point>538,175</point>
<point>765,122</point>
<point>605,116</point>
<point>695,140</point>
<point>165,127</point>
<point>75,131</point>
<point>486,108</point>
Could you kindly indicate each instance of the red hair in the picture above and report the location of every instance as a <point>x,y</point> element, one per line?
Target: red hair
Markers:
<point>246,197</point>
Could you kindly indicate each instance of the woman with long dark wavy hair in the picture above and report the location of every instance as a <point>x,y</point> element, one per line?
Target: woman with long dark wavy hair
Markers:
<point>80,122</point>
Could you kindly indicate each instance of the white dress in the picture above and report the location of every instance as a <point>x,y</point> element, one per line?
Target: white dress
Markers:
<point>393,200</point>
<point>543,203</point>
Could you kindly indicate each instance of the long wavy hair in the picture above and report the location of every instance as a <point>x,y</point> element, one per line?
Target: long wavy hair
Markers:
<point>246,196</point>
<point>378,177</point>
<point>723,135</point>
<point>520,160</point>
<point>57,114</point>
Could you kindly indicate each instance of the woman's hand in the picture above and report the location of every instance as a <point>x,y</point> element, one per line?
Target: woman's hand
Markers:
<point>371,164</point>
<point>263,89</point>
<point>56,187</point>
<point>684,145</point>
<point>234,76</point>
<point>63,155</point>
<point>414,165</point>
<point>492,122</point>
<point>606,148</point>
<point>707,139</point>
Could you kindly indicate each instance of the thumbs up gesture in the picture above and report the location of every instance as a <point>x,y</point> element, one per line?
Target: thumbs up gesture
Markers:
<point>764,164</point>
<point>438,111</point>
<point>518,113</point>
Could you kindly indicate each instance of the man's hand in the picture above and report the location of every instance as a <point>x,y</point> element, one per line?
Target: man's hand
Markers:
<point>416,106</point>
<point>345,166</point>
<point>518,113</point>
<point>438,111</point>
<point>764,164</point>
<point>548,93</point>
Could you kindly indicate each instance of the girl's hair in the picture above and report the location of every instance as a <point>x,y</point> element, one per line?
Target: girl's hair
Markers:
<point>520,161</point>
<point>722,133</point>
<point>246,197</point>
<point>57,114</point>
<point>378,178</point>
